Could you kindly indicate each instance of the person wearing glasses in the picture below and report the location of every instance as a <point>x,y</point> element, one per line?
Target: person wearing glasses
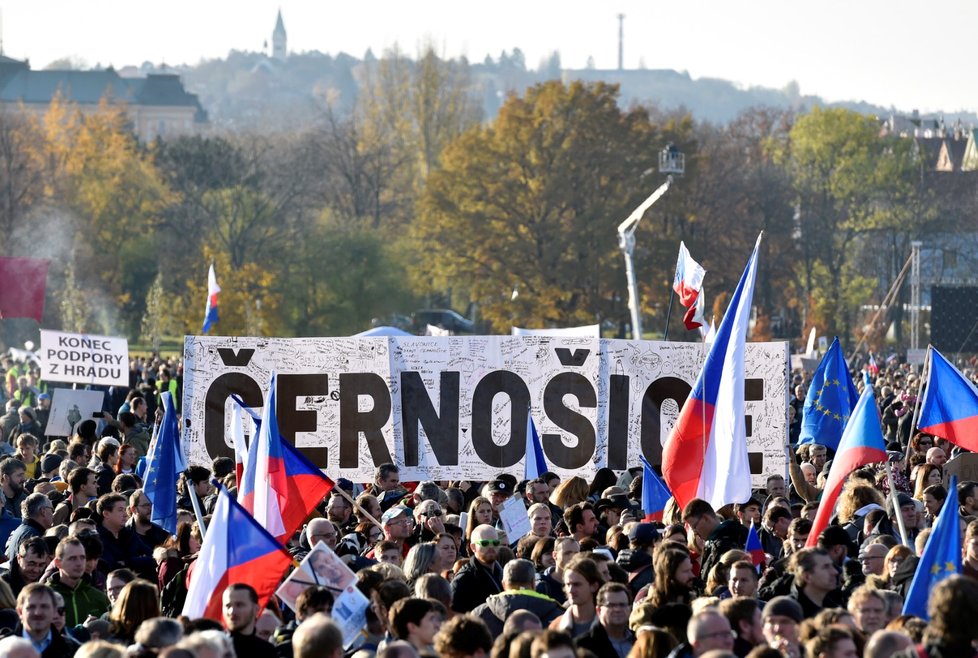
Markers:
<point>707,631</point>
<point>482,576</point>
<point>140,511</point>
<point>398,523</point>
<point>611,635</point>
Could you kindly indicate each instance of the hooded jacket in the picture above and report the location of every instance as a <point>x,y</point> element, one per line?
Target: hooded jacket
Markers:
<point>498,608</point>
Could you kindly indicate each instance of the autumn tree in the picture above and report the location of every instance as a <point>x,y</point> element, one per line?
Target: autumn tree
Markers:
<point>846,179</point>
<point>532,201</point>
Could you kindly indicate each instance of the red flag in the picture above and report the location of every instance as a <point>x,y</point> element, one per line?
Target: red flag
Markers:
<point>22,283</point>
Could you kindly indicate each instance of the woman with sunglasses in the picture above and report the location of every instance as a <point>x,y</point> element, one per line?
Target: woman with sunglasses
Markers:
<point>582,580</point>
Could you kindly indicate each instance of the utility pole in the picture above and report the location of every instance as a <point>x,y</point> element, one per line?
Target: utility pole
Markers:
<point>621,42</point>
<point>915,295</point>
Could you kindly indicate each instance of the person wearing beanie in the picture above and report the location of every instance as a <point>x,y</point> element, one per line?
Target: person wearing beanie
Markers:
<point>781,619</point>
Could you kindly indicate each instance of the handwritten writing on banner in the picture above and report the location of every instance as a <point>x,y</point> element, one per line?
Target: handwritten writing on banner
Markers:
<point>455,407</point>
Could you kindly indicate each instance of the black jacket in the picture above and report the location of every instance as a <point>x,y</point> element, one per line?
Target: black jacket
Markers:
<point>27,529</point>
<point>499,607</point>
<point>597,640</point>
<point>726,536</point>
<point>126,550</point>
<point>474,584</point>
<point>61,646</point>
<point>251,646</point>
<point>550,587</point>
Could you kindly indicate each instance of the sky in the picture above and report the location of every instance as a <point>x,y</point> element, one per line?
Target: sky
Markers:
<point>890,53</point>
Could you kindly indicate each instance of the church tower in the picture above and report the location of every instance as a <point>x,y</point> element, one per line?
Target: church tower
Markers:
<point>279,49</point>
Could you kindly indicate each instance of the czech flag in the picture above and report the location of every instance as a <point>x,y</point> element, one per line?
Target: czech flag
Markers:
<point>950,406</point>
<point>862,443</point>
<point>210,313</point>
<point>655,494</point>
<point>279,486</point>
<point>755,548</point>
<point>235,550</point>
<point>706,454</point>
<point>535,464</point>
<point>689,277</point>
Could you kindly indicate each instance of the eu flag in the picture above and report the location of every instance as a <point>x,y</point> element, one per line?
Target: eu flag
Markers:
<point>830,400</point>
<point>941,558</point>
<point>163,467</point>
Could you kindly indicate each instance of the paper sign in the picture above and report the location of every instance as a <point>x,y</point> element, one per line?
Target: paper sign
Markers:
<point>516,523</point>
<point>68,408</point>
<point>84,359</point>
<point>322,567</point>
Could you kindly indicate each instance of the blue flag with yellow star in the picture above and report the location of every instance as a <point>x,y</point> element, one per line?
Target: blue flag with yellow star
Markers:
<point>941,558</point>
<point>831,398</point>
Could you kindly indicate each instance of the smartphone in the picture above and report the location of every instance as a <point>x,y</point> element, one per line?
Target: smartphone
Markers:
<point>96,414</point>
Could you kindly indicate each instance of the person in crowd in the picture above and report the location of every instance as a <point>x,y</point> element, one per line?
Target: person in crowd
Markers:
<point>83,487</point>
<point>316,637</point>
<point>481,577</point>
<point>580,521</point>
<point>611,636</point>
<point>37,515</point>
<point>416,621</point>
<point>138,601</point>
<point>35,611</point>
<point>743,579</point>
<point>551,581</point>
<point>674,577</point>
<point>463,637</point>
<point>121,546</point>
<point>81,597</point>
<point>582,580</point>
<point>518,594</point>
<point>33,556</point>
<point>240,611</point>
<point>12,477</point>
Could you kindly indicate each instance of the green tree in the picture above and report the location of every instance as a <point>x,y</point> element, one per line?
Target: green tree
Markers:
<point>533,201</point>
<point>74,312</point>
<point>847,179</point>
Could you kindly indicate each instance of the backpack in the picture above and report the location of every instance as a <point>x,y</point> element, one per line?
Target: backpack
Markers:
<point>174,594</point>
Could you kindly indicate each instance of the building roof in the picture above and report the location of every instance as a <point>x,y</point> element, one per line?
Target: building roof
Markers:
<point>20,84</point>
<point>279,25</point>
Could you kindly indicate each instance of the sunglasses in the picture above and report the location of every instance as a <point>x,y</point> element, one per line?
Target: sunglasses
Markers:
<point>487,542</point>
<point>435,514</point>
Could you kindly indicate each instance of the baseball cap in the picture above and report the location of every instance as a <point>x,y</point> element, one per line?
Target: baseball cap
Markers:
<point>501,486</point>
<point>394,513</point>
<point>643,534</point>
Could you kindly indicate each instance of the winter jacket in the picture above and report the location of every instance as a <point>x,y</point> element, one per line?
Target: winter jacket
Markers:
<point>82,600</point>
<point>498,607</point>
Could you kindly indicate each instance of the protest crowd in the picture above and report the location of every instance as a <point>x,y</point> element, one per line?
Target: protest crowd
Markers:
<point>88,573</point>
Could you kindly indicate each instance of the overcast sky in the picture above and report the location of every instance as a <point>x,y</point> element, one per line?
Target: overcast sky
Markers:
<point>888,52</point>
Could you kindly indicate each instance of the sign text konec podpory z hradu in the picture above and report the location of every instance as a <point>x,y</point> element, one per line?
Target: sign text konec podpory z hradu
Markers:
<point>84,359</point>
<point>455,407</point>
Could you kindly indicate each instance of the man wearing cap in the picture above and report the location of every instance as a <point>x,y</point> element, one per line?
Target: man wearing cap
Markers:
<point>498,492</point>
<point>609,511</point>
<point>637,558</point>
<point>781,618</point>
<point>749,512</point>
<point>482,576</point>
<point>398,524</point>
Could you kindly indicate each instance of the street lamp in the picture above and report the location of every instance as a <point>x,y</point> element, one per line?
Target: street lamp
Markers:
<point>671,161</point>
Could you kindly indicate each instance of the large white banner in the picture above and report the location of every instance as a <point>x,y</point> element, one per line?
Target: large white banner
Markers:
<point>455,407</point>
<point>84,359</point>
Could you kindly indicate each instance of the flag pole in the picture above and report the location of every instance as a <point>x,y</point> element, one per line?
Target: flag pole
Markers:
<point>356,505</point>
<point>196,503</point>
<point>924,376</point>
<point>672,296</point>
<point>896,508</point>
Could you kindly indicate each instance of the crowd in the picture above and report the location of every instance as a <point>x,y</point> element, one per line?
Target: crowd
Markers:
<point>87,572</point>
